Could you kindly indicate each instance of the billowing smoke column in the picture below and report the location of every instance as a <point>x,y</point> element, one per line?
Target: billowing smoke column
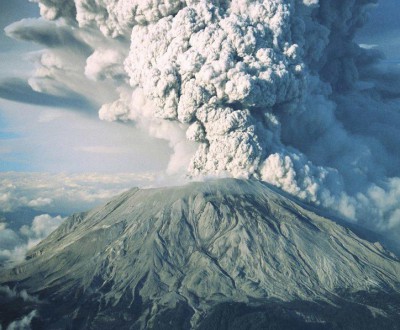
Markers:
<point>275,90</point>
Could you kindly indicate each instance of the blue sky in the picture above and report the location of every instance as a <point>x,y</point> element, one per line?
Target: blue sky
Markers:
<point>383,29</point>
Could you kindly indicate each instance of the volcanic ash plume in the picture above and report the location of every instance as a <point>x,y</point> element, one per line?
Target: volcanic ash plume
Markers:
<point>221,68</point>
<point>275,90</point>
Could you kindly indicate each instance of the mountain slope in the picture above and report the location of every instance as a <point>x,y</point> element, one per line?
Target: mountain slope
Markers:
<point>190,249</point>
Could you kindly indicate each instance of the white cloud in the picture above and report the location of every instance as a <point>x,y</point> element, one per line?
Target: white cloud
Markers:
<point>106,64</point>
<point>13,293</point>
<point>14,244</point>
<point>39,202</point>
<point>55,194</point>
<point>65,193</point>
<point>24,323</point>
<point>41,227</point>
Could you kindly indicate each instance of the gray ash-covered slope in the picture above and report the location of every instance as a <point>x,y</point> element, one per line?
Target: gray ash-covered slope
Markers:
<point>205,255</point>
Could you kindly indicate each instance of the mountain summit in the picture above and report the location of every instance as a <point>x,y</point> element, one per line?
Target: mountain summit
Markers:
<point>223,254</point>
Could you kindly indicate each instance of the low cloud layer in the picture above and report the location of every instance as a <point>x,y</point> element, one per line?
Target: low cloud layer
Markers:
<point>275,90</point>
<point>25,197</point>
<point>13,293</point>
<point>64,193</point>
<point>15,243</point>
<point>23,323</point>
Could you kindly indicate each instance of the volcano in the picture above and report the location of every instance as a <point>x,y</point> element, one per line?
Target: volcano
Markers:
<point>222,254</point>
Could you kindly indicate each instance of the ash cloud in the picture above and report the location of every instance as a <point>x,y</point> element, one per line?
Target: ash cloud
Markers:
<point>47,34</point>
<point>60,67</point>
<point>275,90</point>
<point>15,89</point>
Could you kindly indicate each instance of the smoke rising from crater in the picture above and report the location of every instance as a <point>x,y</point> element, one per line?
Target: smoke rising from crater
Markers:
<point>275,90</point>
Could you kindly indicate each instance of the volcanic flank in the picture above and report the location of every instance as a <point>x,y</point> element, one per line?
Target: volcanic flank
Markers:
<point>222,254</point>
